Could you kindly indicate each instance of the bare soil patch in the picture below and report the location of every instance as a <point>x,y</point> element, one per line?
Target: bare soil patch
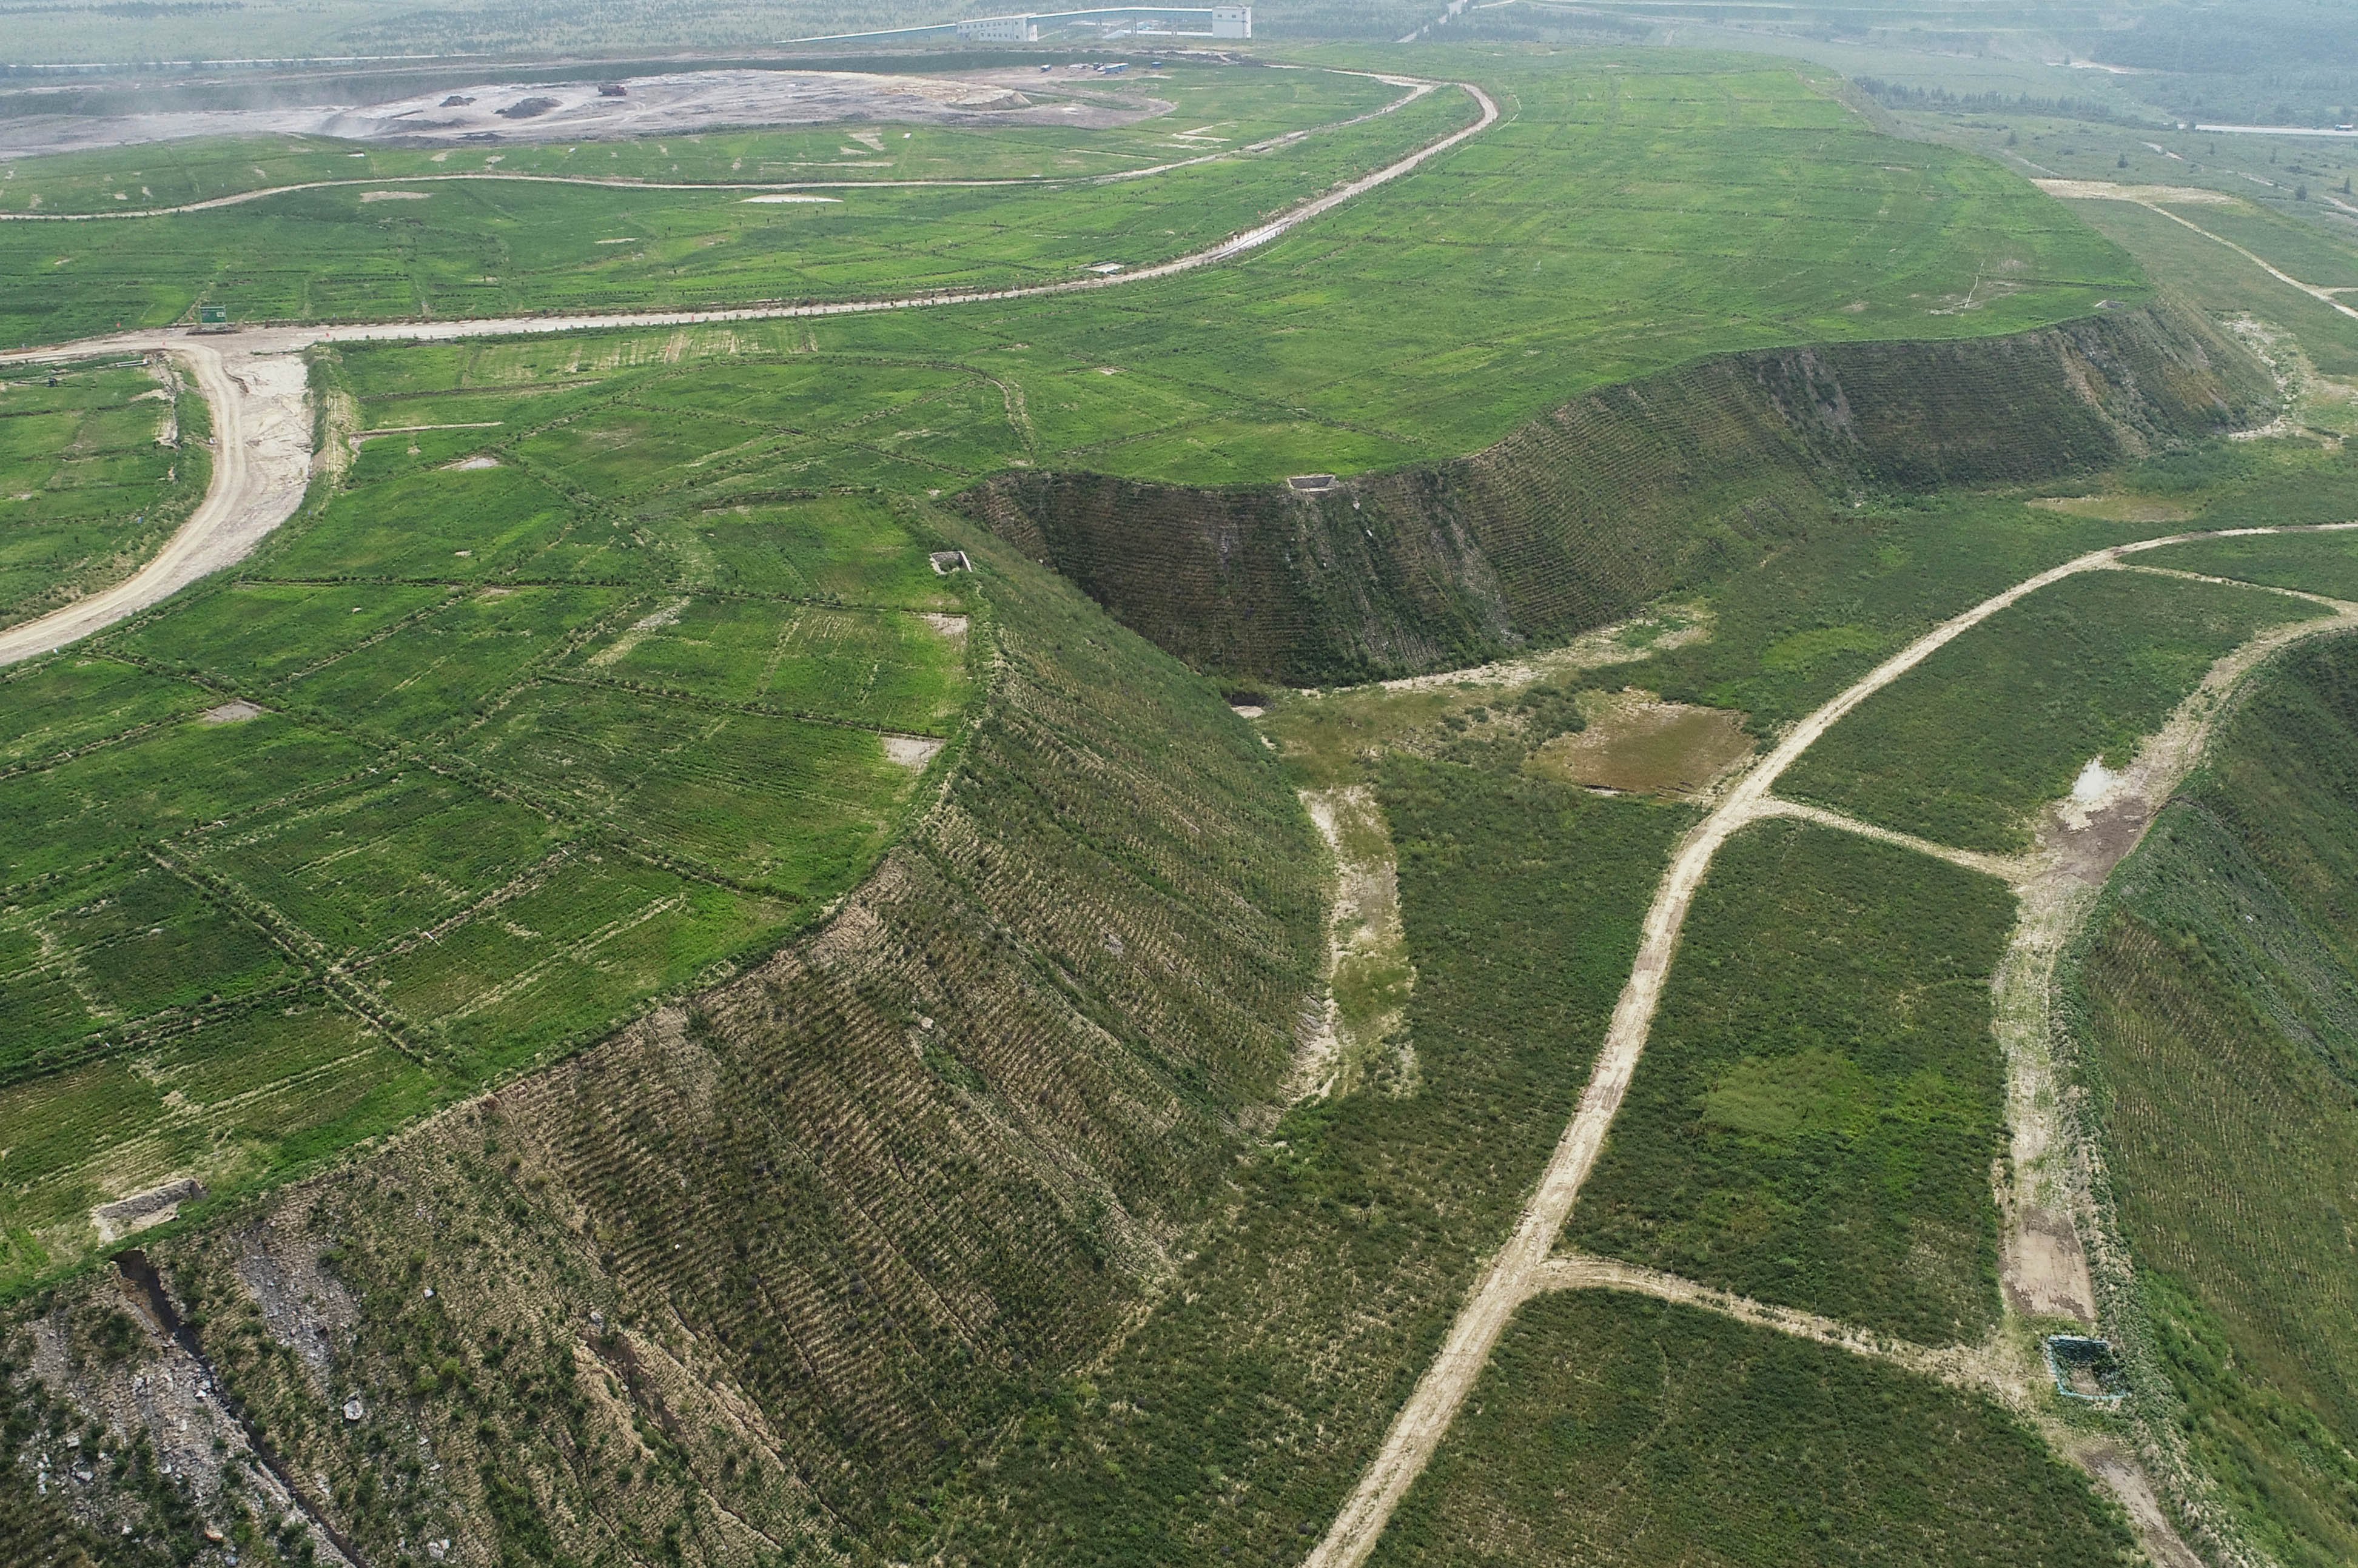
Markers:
<point>1637,743</point>
<point>2116,508</point>
<point>234,712</point>
<point>1362,1035</point>
<point>2106,190</point>
<point>120,1218</point>
<point>912,752</point>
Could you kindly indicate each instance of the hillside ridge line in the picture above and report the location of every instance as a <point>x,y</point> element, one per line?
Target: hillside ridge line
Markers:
<point>1519,1267</point>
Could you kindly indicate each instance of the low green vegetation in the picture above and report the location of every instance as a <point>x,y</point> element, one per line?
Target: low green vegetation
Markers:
<point>2280,199</point>
<point>1814,1117</point>
<point>2310,563</point>
<point>1629,216</point>
<point>1609,1427</point>
<point>98,464</point>
<point>2216,278</point>
<point>487,247</point>
<point>1967,747</point>
<point>1817,614</point>
<point>1217,108</point>
<point>1495,716</point>
<point>1233,1419</point>
<point>468,764</point>
<point>2215,1011</point>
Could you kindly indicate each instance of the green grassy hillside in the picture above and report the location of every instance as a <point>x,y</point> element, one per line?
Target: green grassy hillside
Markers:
<point>2217,1031</point>
<point>1618,223</point>
<point>95,472</point>
<point>1611,1428</point>
<point>787,1258</point>
<point>1234,1419</point>
<point>468,765</point>
<point>1814,1121</point>
<point>485,248</point>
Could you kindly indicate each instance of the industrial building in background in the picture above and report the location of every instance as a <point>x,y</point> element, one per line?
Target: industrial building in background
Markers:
<point>1111,22</point>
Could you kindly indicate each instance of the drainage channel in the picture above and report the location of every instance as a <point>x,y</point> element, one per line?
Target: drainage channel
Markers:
<point>139,1272</point>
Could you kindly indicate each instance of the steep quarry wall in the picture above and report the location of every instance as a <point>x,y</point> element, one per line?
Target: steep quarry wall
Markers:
<point>747,1281</point>
<point>1623,494</point>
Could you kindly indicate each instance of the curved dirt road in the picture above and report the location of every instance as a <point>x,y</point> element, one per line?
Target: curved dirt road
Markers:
<point>1520,1268</point>
<point>262,459</point>
<point>254,382</point>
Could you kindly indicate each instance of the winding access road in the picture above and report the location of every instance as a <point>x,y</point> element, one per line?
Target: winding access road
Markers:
<point>261,463</point>
<point>1417,88</point>
<point>253,384</point>
<point>1525,1265</point>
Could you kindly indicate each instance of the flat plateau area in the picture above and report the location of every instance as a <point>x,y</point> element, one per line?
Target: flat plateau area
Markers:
<point>678,104</point>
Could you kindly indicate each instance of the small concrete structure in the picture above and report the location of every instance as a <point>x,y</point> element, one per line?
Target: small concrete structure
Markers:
<point>1311,481</point>
<point>949,561</point>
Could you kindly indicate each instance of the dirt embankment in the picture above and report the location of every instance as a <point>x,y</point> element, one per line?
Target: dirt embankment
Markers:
<point>1623,494</point>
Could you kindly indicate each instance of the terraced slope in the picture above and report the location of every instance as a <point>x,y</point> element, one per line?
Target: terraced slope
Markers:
<point>468,766</point>
<point>2215,1021</point>
<point>759,1273</point>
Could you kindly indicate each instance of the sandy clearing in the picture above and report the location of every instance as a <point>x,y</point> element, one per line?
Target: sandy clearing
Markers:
<point>262,460</point>
<point>1636,743</point>
<point>2106,190</point>
<point>912,752</point>
<point>1509,1278</point>
<point>1622,643</point>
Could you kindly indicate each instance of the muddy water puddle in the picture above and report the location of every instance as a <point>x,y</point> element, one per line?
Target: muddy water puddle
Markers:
<point>1638,744</point>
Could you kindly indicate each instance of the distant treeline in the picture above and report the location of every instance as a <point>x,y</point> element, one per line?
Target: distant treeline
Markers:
<point>1904,97</point>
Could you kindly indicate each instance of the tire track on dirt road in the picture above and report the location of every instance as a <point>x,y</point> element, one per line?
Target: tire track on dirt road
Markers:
<point>257,482</point>
<point>262,459</point>
<point>1521,1267</point>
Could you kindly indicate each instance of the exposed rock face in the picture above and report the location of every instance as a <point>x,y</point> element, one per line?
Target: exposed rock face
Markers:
<point>1627,492</point>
